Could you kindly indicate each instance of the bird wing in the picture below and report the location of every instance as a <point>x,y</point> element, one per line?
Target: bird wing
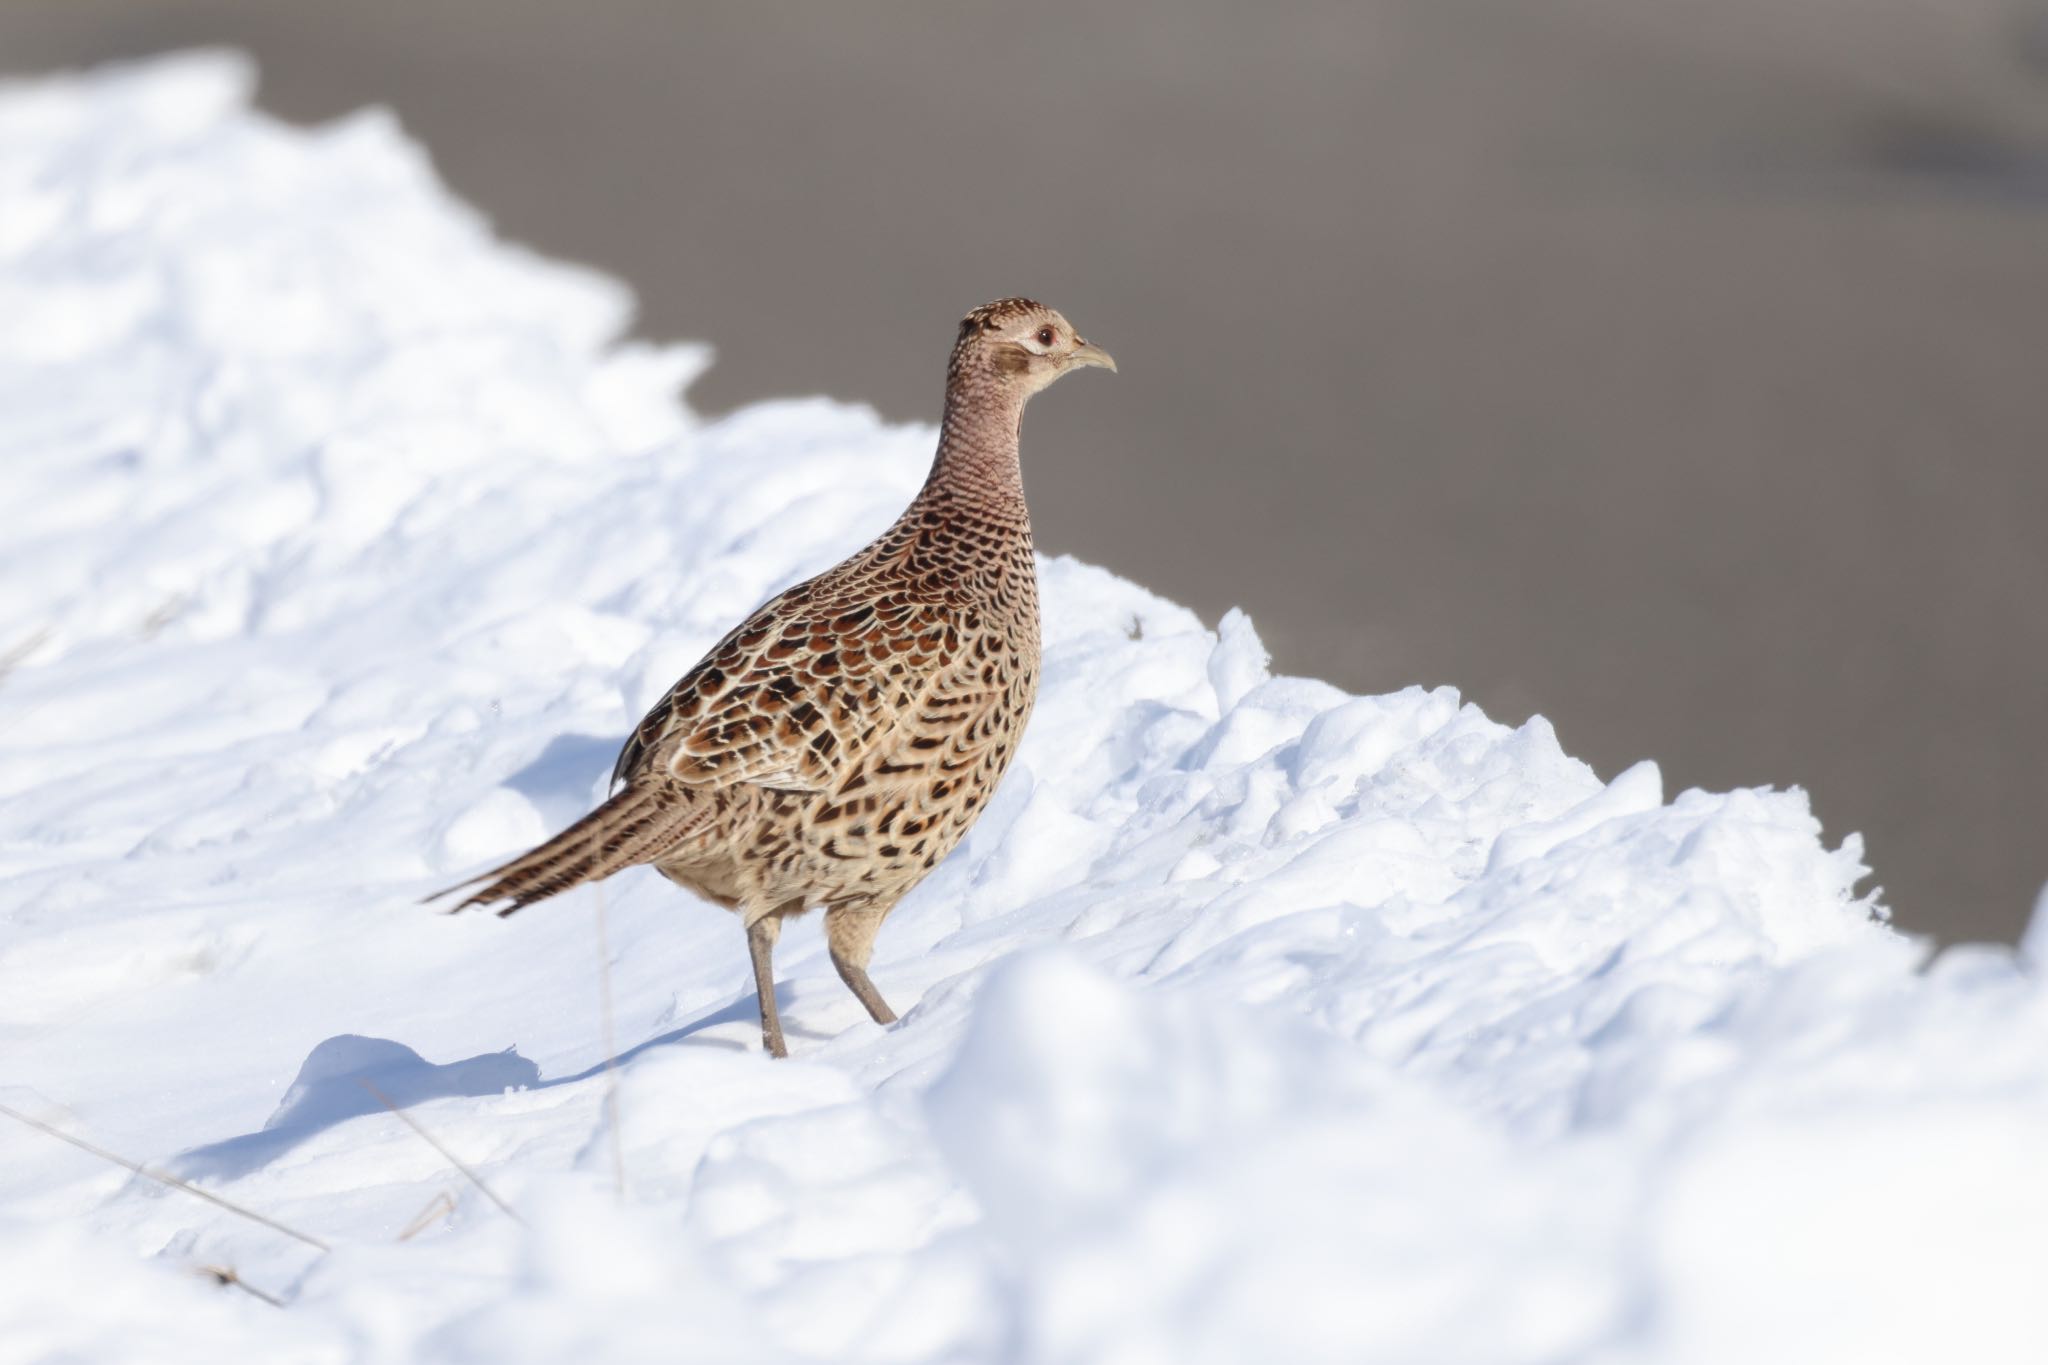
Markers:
<point>797,694</point>
<point>961,726</point>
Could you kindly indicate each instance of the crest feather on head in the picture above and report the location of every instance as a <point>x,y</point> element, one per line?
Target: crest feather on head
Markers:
<point>989,315</point>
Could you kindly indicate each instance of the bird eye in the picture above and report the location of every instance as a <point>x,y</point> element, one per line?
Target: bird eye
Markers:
<point>1045,335</point>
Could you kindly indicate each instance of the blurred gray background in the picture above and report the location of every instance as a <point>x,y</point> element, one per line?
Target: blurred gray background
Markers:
<point>1674,370</point>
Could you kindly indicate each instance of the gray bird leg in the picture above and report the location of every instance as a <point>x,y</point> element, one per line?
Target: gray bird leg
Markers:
<point>856,979</point>
<point>850,935</point>
<point>761,936</point>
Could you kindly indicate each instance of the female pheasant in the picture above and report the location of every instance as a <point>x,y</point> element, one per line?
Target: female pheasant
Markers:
<point>841,741</point>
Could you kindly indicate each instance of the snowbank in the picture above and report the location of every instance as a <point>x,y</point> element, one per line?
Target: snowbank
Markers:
<point>1255,1021</point>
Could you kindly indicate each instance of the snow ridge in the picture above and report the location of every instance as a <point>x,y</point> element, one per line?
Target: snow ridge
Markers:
<point>1254,1020</point>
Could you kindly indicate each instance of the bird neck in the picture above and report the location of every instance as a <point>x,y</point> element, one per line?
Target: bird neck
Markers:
<point>977,467</point>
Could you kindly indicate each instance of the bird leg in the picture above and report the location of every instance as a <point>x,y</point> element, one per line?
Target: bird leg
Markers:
<point>761,936</point>
<point>850,935</point>
<point>856,979</point>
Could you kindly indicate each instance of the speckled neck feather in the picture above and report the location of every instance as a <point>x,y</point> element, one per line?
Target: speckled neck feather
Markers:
<point>977,465</point>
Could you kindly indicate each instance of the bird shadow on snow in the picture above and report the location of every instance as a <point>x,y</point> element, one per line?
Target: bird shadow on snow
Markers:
<point>562,781</point>
<point>330,1087</point>
<point>744,1010</point>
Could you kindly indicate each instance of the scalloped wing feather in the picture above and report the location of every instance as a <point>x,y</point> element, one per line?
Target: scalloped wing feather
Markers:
<point>798,694</point>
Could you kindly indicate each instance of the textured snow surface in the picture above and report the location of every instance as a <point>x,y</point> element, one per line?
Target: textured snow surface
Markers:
<point>1255,1021</point>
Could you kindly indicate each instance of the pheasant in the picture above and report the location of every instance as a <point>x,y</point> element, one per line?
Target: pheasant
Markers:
<point>841,741</point>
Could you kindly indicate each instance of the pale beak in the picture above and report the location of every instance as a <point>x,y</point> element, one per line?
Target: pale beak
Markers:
<point>1088,353</point>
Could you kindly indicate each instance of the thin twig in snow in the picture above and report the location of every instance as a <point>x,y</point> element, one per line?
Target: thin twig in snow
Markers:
<point>444,1204</point>
<point>225,1275</point>
<point>11,657</point>
<point>611,1051</point>
<point>162,1178</point>
<point>471,1176</point>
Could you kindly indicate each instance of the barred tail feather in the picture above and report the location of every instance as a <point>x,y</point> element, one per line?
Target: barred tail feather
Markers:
<point>635,826</point>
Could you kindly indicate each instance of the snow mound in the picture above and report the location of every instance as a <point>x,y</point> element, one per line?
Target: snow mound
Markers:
<point>1254,1020</point>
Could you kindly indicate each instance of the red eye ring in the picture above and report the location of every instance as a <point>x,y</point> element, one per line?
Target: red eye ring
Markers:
<point>1045,336</point>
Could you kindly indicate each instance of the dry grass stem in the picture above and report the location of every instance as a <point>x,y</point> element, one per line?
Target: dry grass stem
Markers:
<point>225,1275</point>
<point>611,1050</point>
<point>10,659</point>
<point>443,1205</point>
<point>163,1178</point>
<point>467,1174</point>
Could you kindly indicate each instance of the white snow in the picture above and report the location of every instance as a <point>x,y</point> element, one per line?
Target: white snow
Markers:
<point>1254,1021</point>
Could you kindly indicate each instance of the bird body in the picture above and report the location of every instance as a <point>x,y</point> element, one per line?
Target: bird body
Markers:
<point>839,743</point>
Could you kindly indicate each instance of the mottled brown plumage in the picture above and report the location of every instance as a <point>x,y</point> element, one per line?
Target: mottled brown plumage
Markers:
<point>841,741</point>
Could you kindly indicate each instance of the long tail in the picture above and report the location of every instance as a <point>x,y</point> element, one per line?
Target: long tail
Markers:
<point>635,826</point>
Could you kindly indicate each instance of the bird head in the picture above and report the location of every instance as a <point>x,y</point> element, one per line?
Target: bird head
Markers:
<point>1021,345</point>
